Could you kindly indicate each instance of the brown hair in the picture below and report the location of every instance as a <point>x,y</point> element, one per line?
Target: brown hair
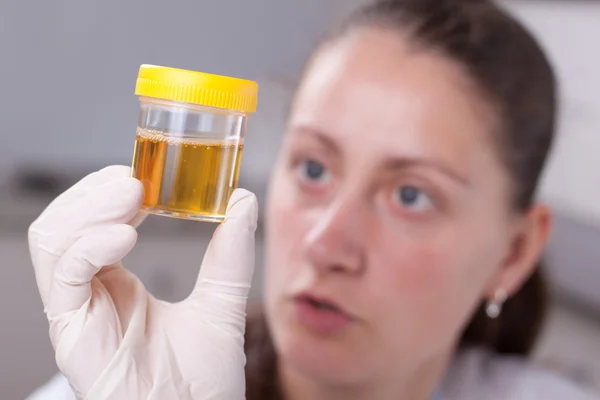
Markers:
<point>511,71</point>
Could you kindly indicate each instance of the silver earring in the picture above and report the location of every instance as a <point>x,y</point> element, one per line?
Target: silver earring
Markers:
<point>494,306</point>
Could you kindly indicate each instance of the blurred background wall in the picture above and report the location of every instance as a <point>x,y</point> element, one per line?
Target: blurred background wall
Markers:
<point>67,108</point>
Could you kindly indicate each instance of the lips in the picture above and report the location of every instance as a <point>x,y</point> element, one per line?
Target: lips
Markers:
<point>321,315</point>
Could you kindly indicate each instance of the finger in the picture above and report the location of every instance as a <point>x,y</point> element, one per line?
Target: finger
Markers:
<point>226,273</point>
<point>82,187</point>
<point>115,202</point>
<point>73,194</point>
<point>138,219</point>
<point>229,260</point>
<point>70,288</point>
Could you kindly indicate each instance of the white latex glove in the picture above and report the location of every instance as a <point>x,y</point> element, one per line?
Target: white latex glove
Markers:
<point>113,340</point>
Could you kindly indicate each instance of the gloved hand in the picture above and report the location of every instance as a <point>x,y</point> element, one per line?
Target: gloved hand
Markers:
<point>112,339</point>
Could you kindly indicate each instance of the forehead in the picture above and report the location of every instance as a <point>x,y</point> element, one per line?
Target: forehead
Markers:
<point>374,87</point>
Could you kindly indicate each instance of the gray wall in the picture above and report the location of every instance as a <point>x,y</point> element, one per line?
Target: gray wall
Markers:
<point>69,66</point>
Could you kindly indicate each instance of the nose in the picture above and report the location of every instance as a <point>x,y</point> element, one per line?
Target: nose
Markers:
<point>335,241</point>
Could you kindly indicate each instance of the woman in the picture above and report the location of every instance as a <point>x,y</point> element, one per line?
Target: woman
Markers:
<point>402,235</point>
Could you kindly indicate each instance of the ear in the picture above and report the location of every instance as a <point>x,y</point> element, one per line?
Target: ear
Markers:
<point>525,250</point>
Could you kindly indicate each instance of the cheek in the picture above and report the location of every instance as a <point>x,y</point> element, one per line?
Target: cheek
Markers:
<point>425,289</point>
<point>411,273</point>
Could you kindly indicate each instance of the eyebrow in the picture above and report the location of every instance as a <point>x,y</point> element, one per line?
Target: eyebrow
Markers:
<point>321,137</point>
<point>415,162</point>
<point>401,163</point>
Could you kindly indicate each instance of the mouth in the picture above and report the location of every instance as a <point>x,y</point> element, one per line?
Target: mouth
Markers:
<point>321,315</point>
<point>320,304</point>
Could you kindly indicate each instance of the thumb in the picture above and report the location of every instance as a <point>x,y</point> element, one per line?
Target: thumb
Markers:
<point>226,273</point>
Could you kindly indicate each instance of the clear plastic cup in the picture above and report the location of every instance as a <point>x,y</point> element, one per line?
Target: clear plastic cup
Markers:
<point>190,140</point>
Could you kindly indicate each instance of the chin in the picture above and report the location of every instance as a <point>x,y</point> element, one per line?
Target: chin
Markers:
<point>336,360</point>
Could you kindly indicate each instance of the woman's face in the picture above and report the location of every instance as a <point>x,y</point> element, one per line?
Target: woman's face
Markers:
<point>388,217</point>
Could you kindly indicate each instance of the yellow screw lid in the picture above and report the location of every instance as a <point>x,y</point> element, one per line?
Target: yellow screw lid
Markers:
<point>197,88</point>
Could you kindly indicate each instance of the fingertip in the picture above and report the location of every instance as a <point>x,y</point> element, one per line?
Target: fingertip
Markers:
<point>110,244</point>
<point>124,234</point>
<point>126,190</point>
<point>128,234</point>
<point>243,206</point>
<point>125,231</point>
<point>138,219</point>
<point>117,171</point>
<point>136,188</point>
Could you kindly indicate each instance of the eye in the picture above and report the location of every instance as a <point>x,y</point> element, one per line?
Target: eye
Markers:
<point>313,171</point>
<point>413,198</point>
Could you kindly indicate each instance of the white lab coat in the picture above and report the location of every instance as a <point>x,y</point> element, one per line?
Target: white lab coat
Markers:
<point>474,374</point>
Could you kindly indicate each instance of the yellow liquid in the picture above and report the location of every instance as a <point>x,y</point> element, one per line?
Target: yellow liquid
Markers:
<point>186,178</point>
